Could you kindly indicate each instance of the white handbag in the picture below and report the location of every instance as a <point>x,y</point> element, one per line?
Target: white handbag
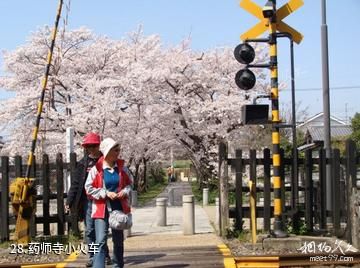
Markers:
<point>118,220</point>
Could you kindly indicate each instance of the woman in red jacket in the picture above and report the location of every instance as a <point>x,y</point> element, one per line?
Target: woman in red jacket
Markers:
<point>109,180</point>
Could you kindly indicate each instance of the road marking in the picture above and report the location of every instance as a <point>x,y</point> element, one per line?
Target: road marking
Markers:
<point>49,265</point>
<point>229,261</point>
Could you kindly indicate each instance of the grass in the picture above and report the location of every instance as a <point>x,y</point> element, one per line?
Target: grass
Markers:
<point>243,236</point>
<point>213,193</point>
<point>199,194</point>
<point>6,244</point>
<point>153,191</point>
<point>196,191</point>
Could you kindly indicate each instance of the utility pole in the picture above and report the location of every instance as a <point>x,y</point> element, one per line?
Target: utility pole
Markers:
<point>326,103</point>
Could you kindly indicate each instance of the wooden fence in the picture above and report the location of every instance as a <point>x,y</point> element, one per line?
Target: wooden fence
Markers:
<point>304,200</point>
<point>50,190</point>
<point>50,178</point>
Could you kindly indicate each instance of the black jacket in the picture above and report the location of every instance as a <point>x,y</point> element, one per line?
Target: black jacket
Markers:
<point>76,195</point>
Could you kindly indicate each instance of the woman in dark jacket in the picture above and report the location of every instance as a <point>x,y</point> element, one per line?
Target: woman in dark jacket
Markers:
<point>77,198</point>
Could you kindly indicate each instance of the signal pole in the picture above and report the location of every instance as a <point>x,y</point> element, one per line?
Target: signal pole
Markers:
<point>270,7</point>
<point>326,103</point>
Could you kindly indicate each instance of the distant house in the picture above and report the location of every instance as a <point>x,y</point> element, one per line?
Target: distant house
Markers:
<point>313,128</point>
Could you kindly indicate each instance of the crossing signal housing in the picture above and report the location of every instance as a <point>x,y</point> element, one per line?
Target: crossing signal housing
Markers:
<point>255,114</point>
<point>244,53</point>
<point>245,78</point>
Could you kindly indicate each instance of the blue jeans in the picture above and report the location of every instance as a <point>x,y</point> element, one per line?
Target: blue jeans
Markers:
<point>101,231</point>
<point>90,229</point>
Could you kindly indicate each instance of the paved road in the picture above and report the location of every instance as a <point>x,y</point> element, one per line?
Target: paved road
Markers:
<point>154,246</point>
<point>182,257</point>
<point>179,188</point>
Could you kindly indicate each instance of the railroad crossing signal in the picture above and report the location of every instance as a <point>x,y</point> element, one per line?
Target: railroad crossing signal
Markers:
<point>263,25</point>
<point>270,19</point>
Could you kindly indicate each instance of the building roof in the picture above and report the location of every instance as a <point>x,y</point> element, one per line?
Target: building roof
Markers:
<point>317,132</point>
<point>317,117</point>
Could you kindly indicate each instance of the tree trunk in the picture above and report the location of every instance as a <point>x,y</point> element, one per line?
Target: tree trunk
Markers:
<point>224,191</point>
<point>144,175</point>
<point>136,177</point>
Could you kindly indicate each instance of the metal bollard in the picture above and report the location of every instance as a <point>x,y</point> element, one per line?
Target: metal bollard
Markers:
<point>134,198</point>
<point>205,197</point>
<point>171,197</point>
<point>161,211</point>
<point>189,214</point>
<point>217,213</point>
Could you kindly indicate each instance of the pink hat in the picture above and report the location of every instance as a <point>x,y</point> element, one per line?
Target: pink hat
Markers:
<point>91,138</point>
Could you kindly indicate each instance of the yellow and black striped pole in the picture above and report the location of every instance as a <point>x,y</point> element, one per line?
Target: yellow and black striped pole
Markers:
<point>278,230</point>
<point>23,198</point>
<point>43,89</point>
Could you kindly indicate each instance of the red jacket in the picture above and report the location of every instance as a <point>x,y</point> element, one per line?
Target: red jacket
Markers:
<point>96,190</point>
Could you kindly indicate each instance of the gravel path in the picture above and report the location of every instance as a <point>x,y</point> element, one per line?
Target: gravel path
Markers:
<point>8,257</point>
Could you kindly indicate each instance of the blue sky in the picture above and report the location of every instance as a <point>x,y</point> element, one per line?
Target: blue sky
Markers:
<point>214,23</point>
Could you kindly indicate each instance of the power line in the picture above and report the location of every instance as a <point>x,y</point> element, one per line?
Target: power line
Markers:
<point>319,88</point>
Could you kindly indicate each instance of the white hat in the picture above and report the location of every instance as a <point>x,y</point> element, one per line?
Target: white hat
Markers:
<point>106,145</point>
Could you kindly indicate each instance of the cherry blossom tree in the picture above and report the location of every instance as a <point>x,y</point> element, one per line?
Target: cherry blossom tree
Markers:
<point>147,96</point>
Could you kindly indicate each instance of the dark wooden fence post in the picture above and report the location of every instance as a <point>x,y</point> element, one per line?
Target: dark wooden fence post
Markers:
<point>33,218</point>
<point>224,191</point>
<point>4,219</point>
<point>75,208</point>
<point>60,194</point>
<point>295,217</point>
<point>353,203</point>
<point>46,194</point>
<point>238,190</point>
<point>18,166</point>
<point>267,190</point>
<point>309,191</point>
<point>282,187</point>
<point>351,163</point>
<point>322,185</point>
<point>317,200</point>
<point>253,179</point>
<point>336,190</point>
